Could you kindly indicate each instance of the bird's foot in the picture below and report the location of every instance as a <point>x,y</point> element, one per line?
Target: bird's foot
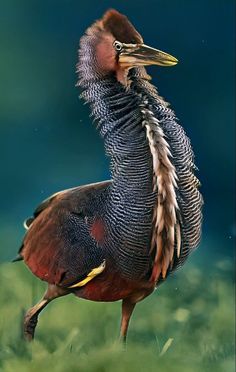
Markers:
<point>30,322</point>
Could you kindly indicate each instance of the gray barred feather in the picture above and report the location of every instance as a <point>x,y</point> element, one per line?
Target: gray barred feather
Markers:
<point>147,148</point>
<point>189,198</point>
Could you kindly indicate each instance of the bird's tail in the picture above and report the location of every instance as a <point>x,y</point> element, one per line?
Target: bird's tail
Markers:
<point>17,258</point>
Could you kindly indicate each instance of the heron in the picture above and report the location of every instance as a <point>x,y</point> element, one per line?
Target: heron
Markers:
<point>119,239</point>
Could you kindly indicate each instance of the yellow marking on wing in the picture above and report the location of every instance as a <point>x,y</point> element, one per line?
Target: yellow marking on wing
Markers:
<point>96,271</point>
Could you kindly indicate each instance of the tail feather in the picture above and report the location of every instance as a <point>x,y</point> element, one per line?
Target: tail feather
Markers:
<point>17,258</point>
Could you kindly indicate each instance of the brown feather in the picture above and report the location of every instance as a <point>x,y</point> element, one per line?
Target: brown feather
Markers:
<point>44,245</point>
<point>120,27</point>
<point>178,239</point>
<point>165,221</point>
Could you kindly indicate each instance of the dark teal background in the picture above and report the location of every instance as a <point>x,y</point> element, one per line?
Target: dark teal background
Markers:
<point>47,139</point>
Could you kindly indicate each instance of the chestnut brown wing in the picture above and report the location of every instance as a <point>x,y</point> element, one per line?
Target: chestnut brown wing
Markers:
<point>58,246</point>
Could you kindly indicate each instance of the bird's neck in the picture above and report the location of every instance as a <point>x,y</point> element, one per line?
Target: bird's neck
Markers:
<point>125,140</point>
<point>131,199</point>
<point>131,204</point>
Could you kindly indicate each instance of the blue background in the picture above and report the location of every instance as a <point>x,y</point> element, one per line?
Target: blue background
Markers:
<point>47,140</point>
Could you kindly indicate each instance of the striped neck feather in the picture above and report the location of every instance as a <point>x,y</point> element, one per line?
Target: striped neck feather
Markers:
<point>165,225</point>
<point>123,115</point>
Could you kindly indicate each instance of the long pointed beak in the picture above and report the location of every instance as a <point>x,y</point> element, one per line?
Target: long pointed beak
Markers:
<point>133,55</point>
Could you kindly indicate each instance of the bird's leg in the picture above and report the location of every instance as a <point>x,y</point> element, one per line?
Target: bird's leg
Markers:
<point>31,319</point>
<point>127,310</point>
<point>31,316</point>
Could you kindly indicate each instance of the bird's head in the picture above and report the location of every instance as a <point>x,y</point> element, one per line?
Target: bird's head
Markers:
<point>118,47</point>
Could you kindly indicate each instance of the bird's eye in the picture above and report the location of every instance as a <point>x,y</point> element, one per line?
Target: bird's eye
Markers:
<point>118,46</point>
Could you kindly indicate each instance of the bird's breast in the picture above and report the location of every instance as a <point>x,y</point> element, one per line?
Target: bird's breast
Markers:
<point>111,286</point>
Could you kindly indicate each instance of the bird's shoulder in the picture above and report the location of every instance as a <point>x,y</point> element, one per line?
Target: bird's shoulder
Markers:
<point>74,200</point>
<point>58,229</point>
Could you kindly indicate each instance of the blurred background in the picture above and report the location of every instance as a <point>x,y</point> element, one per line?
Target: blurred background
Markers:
<point>48,142</point>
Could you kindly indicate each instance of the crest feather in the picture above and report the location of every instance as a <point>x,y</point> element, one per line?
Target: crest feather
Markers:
<point>120,27</point>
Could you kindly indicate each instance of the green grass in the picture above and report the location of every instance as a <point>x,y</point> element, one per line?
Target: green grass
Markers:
<point>186,325</point>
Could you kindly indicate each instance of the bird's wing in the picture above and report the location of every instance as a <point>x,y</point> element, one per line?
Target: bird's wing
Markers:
<point>60,245</point>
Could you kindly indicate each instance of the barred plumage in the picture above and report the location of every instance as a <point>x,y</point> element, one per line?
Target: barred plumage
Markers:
<point>165,223</point>
<point>119,239</point>
<point>141,113</point>
<point>188,197</point>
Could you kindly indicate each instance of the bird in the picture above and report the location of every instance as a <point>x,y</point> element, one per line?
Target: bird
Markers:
<point>119,239</point>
